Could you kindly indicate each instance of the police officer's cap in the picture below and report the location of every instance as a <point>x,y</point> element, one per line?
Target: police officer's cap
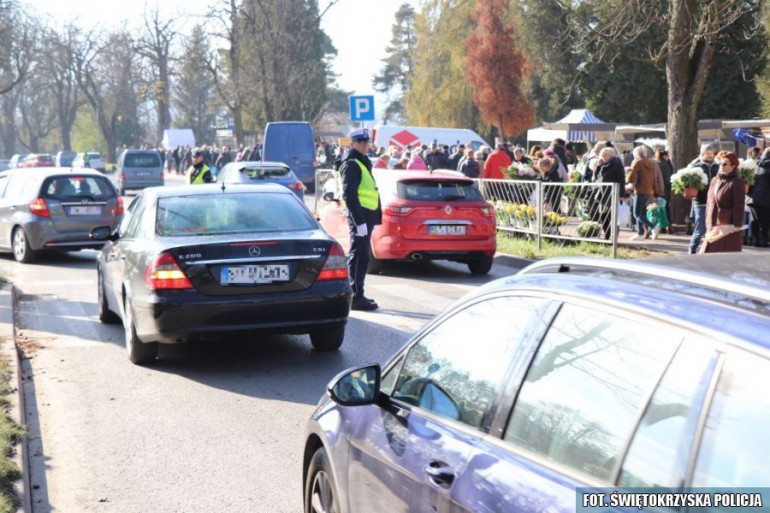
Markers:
<point>198,153</point>
<point>360,134</point>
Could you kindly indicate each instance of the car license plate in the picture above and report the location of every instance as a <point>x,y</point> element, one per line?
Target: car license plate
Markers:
<point>143,173</point>
<point>239,274</point>
<point>85,211</point>
<point>446,229</point>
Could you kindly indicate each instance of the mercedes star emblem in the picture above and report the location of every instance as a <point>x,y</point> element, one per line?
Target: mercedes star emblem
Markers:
<point>254,251</point>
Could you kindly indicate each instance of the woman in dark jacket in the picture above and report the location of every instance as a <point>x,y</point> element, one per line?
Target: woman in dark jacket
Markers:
<point>549,172</point>
<point>725,204</point>
<point>760,201</point>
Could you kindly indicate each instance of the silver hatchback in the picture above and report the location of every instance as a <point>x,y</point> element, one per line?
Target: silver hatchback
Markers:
<point>54,209</point>
<point>138,169</point>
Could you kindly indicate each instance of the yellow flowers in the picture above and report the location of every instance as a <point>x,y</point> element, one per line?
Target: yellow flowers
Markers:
<point>554,219</point>
<point>524,212</point>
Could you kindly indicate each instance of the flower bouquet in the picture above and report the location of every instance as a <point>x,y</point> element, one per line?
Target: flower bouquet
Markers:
<point>689,181</point>
<point>505,212</point>
<point>589,229</point>
<point>520,172</point>
<point>747,171</point>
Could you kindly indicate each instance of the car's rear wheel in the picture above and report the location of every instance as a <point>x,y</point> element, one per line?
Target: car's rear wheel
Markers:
<point>106,315</point>
<point>20,246</point>
<point>329,339</point>
<point>320,489</point>
<point>138,352</point>
<point>482,266</point>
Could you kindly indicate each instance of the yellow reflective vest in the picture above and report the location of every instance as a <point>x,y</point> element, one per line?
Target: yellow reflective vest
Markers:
<point>199,177</point>
<point>367,189</point>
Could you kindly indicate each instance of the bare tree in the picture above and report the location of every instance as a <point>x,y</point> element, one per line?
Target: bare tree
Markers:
<point>226,66</point>
<point>18,41</point>
<point>37,109</point>
<point>59,68</point>
<point>155,46</point>
<point>618,28</point>
<point>107,72</point>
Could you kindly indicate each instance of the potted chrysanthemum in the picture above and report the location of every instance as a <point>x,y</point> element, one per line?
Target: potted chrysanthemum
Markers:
<point>747,171</point>
<point>689,181</point>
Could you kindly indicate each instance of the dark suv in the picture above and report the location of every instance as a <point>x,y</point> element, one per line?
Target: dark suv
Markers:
<point>54,209</point>
<point>574,373</point>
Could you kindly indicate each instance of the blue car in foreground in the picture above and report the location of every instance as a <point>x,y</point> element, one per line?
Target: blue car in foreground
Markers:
<point>573,373</point>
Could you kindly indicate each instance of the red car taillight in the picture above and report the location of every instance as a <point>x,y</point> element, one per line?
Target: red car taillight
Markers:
<point>336,266</point>
<point>165,274</point>
<point>39,208</point>
<point>298,185</point>
<point>487,211</point>
<point>400,211</point>
<point>119,208</point>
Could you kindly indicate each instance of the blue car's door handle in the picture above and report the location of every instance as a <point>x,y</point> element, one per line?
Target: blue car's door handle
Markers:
<point>440,473</point>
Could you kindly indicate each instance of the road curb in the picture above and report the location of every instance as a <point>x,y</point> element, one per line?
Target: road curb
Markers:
<point>10,352</point>
<point>512,261</point>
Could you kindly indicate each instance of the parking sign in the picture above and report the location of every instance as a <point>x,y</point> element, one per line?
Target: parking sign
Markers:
<point>362,108</point>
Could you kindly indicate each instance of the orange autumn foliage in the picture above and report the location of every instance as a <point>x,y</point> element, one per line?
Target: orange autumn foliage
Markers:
<point>497,70</point>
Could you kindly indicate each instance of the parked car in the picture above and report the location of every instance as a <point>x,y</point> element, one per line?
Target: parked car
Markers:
<point>262,172</point>
<point>574,373</point>
<point>197,261</point>
<point>425,216</point>
<point>54,209</point>
<point>65,158</point>
<point>16,158</point>
<point>94,161</point>
<point>138,169</point>
<point>292,142</point>
<point>37,160</point>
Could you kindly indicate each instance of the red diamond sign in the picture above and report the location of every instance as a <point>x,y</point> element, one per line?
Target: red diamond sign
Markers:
<point>403,139</point>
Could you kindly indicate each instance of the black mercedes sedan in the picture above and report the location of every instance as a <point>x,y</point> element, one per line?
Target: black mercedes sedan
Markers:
<point>201,261</point>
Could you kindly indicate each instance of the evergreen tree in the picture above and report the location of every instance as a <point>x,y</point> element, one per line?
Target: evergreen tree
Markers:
<point>193,90</point>
<point>398,69</point>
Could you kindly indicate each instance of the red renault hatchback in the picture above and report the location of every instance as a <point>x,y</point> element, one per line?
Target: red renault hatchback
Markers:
<point>439,215</point>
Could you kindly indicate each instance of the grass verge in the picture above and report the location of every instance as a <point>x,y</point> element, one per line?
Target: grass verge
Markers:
<point>10,435</point>
<point>524,247</point>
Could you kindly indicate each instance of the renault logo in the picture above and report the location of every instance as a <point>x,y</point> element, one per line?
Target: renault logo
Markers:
<point>254,251</point>
<point>448,210</point>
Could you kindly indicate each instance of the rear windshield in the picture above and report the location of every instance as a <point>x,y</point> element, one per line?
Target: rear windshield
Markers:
<point>435,190</point>
<point>231,213</point>
<point>262,173</point>
<point>74,187</point>
<point>141,160</point>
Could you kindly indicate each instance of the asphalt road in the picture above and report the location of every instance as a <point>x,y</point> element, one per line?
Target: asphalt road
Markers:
<point>210,427</point>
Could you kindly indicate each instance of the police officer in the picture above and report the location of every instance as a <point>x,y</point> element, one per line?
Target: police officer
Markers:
<point>364,212</point>
<point>199,172</point>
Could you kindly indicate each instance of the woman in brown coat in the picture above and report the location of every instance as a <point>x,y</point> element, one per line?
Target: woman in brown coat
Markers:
<point>724,207</point>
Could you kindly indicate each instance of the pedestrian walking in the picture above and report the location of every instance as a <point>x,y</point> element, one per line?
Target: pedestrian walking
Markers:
<point>362,199</point>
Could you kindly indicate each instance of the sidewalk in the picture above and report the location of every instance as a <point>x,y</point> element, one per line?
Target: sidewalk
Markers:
<point>677,244</point>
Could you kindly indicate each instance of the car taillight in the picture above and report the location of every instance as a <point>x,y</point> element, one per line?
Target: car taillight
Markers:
<point>39,208</point>
<point>400,211</point>
<point>336,266</point>
<point>119,208</point>
<point>165,274</point>
<point>298,185</point>
<point>487,211</point>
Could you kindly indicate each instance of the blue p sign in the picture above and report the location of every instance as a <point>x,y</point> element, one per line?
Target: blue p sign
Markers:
<point>362,108</point>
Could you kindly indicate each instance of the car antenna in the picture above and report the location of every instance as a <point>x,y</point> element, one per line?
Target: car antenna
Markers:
<point>223,186</point>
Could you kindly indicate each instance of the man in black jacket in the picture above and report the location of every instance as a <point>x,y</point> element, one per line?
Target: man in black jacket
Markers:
<point>362,200</point>
<point>711,168</point>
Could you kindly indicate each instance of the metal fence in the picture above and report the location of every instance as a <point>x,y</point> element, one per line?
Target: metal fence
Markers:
<point>561,212</point>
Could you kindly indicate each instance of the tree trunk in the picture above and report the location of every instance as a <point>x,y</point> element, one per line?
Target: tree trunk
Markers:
<point>164,110</point>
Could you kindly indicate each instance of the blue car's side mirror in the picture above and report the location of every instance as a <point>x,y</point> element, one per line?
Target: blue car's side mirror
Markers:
<point>356,387</point>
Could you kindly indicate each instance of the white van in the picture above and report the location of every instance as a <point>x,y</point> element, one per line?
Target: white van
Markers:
<point>403,136</point>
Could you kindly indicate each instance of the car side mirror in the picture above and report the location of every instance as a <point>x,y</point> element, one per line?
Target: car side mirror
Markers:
<point>356,387</point>
<point>103,233</point>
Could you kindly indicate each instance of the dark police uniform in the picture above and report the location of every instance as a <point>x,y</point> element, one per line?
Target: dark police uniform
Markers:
<point>359,191</point>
